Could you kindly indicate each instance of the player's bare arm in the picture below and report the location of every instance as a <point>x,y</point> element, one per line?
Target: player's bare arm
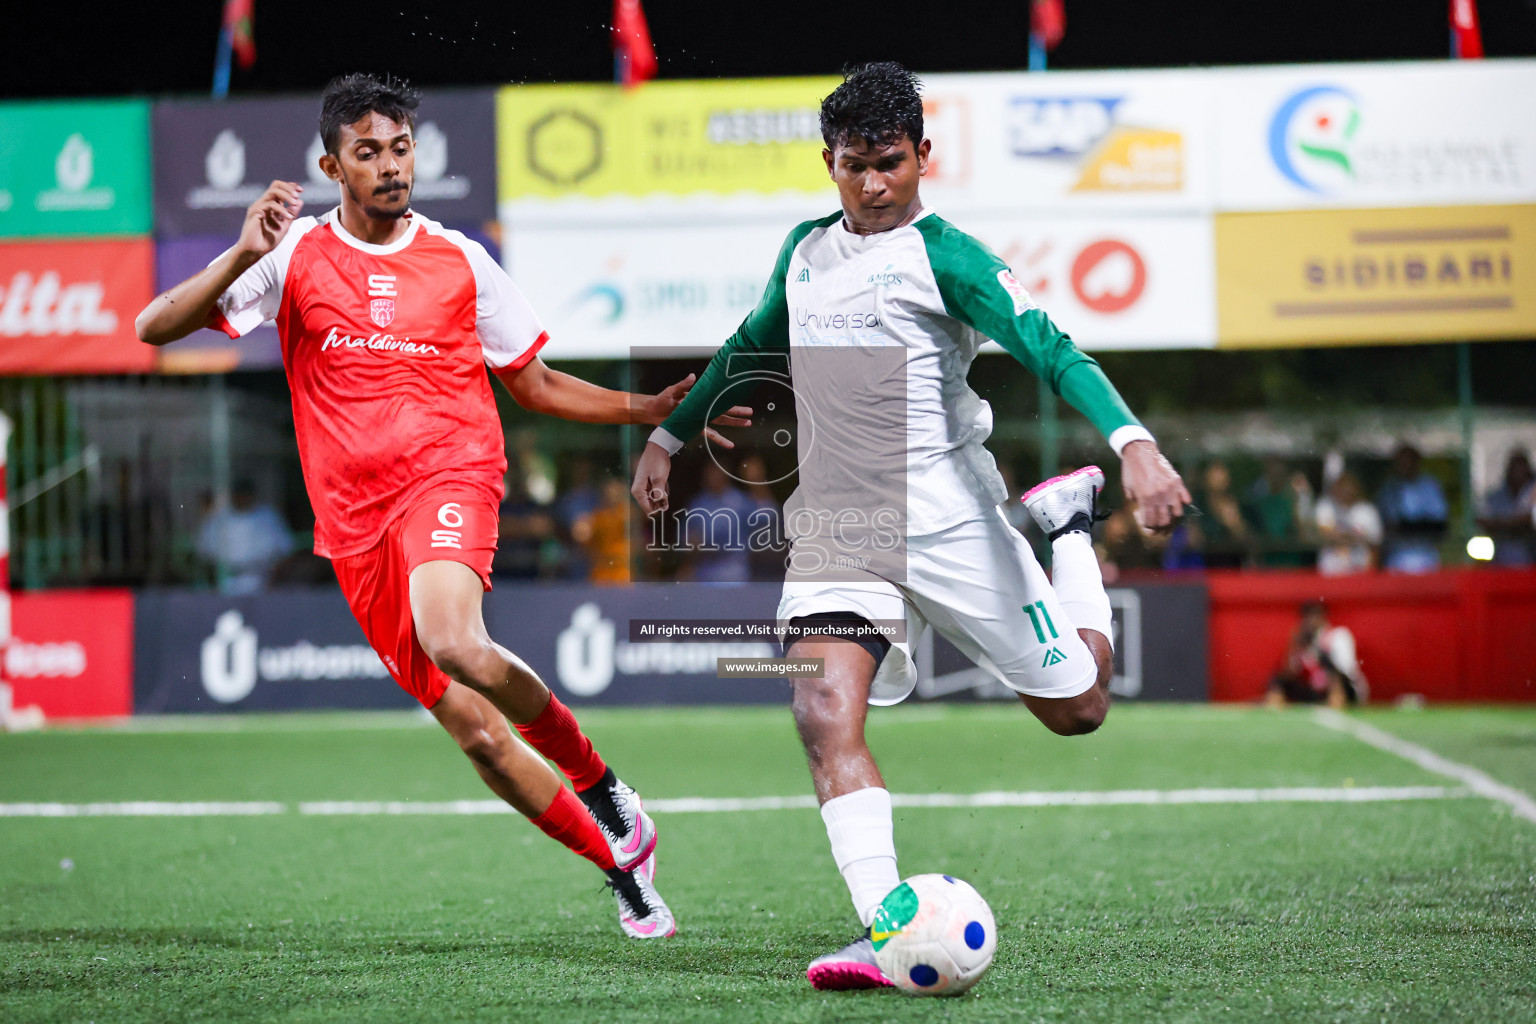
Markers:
<point>1151,481</point>
<point>189,306</point>
<point>538,388</point>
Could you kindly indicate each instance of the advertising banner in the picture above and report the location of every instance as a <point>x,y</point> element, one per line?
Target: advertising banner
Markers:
<point>1114,282</point>
<point>1068,141</point>
<point>303,649</point>
<point>601,291</point>
<point>1366,136</point>
<point>68,307</point>
<point>1351,276</point>
<point>72,652</point>
<point>710,139</point>
<point>1130,282</point>
<point>214,158</point>
<point>74,168</point>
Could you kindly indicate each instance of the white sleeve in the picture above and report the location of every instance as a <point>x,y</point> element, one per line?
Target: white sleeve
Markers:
<point>509,329</point>
<point>257,294</point>
<point>1369,523</point>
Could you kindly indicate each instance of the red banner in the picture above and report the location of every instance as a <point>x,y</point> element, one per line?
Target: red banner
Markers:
<point>68,307</point>
<point>71,652</point>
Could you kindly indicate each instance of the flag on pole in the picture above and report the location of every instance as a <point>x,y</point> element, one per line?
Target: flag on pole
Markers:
<point>240,23</point>
<point>1466,32</point>
<point>634,58</point>
<point>237,38</point>
<point>1047,24</point>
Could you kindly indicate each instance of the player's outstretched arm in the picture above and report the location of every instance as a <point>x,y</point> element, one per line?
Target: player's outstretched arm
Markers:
<point>189,306</point>
<point>538,388</point>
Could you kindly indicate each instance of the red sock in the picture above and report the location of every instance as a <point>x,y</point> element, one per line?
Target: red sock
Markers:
<point>566,820</point>
<point>557,735</point>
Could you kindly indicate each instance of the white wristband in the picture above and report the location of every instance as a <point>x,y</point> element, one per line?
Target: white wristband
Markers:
<point>1128,433</point>
<point>667,441</point>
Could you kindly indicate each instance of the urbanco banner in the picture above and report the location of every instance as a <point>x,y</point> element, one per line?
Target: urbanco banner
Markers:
<point>214,158</point>
<point>1376,135</point>
<point>68,307</point>
<point>74,168</point>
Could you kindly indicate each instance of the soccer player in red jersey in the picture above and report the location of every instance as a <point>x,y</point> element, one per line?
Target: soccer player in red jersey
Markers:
<point>386,319</point>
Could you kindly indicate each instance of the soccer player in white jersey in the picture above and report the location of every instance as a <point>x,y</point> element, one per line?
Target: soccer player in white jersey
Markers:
<point>388,322</point>
<point>881,308</point>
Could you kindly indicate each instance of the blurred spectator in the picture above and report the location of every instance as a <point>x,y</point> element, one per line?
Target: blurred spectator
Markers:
<point>1349,529</point>
<point>1122,546</point>
<point>1414,513</point>
<point>580,498</point>
<point>523,533</point>
<point>1277,505</point>
<point>537,471</point>
<point>1220,534</point>
<point>1321,666</point>
<point>767,547</point>
<point>715,527</point>
<point>244,540</point>
<point>604,534</point>
<point>1507,513</point>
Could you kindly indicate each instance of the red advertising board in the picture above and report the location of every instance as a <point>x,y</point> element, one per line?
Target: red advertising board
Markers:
<point>72,652</point>
<point>68,307</point>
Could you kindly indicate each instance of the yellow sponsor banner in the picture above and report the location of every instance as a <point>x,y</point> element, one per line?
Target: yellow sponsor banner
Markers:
<point>664,138</point>
<point>1342,277</point>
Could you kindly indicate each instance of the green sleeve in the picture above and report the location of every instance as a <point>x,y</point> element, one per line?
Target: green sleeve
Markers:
<point>765,331</point>
<point>979,291</point>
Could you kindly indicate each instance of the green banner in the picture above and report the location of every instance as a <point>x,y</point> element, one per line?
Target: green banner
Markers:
<point>69,169</point>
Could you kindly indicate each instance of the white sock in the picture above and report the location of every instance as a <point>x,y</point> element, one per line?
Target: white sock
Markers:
<point>1079,584</point>
<point>859,826</point>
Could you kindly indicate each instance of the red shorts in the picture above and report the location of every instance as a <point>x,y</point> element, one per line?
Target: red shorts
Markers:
<point>445,523</point>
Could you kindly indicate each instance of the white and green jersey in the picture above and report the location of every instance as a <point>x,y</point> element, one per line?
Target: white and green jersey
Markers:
<point>881,331</point>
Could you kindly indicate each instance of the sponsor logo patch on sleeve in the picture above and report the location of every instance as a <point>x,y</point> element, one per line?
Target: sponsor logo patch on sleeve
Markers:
<point>1022,303</point>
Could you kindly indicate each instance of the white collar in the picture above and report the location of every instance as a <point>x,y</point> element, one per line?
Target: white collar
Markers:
<point>334,219</point>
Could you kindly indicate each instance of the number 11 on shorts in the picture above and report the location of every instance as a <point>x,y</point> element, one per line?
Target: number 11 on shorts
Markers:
<point>1035,617</point>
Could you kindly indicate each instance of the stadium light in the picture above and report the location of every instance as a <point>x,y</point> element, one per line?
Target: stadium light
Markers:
<point>1480,549</point>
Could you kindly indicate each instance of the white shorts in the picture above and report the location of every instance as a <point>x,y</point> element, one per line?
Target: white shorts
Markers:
<point>980,586</point>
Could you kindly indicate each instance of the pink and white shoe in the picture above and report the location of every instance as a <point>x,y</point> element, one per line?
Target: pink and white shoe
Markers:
<point>852,967</point>
<point>1066,503</point>
<point>616,808</point>
<point>643,914</point>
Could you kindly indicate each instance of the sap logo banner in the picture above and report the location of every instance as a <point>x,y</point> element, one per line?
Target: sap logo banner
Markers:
<point>1109,156</point>
<point>275,651</point>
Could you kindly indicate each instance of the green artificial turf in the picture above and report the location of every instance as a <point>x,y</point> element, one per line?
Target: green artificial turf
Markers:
<point>1402,911</point>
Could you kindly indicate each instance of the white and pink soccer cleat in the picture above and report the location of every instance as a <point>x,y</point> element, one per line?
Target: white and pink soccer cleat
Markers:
<point>643,914</point>
<point>1066,503</point>
<point>852,967</point>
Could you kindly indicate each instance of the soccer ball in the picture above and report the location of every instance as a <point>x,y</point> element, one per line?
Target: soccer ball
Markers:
<point>934,936</point>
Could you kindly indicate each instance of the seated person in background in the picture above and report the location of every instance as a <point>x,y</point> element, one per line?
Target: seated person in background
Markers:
<point>1221,534</point>
<point>245,540</point>
<point>715,525</point>
<point>1279,509</point>
<point>603,534</point>
<point>1414,512</point>
<point>523,530</point>
<point>1320,666</point>
<point>1507,513</point>
<point>1348,527</point>
<point>766,543</point>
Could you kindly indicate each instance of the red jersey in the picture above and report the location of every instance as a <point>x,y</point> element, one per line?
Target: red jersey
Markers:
<point>385,348</point>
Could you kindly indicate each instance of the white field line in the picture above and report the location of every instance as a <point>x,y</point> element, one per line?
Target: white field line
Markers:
<point>725,805</point>
<point>1478,782</point>
<point>141,809</point>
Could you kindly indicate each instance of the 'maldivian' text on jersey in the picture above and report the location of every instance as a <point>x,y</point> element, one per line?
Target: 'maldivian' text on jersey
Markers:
<point>882,330</point>
<point>385,348</point>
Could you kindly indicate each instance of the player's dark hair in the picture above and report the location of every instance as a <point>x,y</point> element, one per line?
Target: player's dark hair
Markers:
<point>878,103</point>
<point>350,98</point>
